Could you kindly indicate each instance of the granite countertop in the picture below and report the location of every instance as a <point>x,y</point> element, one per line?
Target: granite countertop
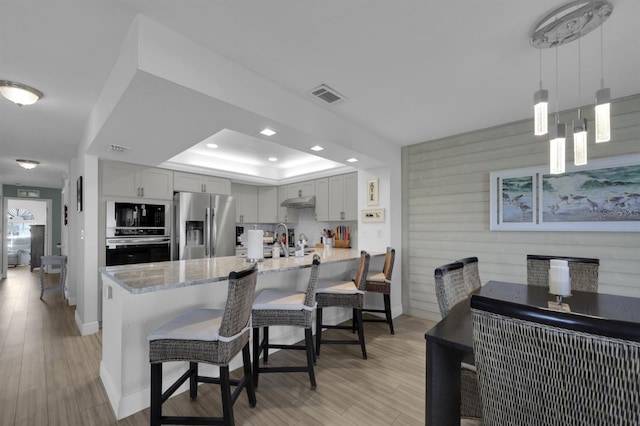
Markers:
<point>149,277</point>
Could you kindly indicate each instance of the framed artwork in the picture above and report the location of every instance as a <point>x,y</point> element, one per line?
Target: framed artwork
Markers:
<point>372,192</point>
<point>79,193</point>
<point>373,215</point>
<point>513,200</point>
<point>603,195</point>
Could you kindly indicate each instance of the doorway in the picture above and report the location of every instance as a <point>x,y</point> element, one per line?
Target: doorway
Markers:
<point>19,215</point>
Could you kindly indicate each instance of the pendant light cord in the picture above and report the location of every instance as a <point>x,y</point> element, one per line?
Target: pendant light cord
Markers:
<point>601,52</point>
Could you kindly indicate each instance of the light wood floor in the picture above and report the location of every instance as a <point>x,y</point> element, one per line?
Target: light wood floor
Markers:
<point>49,374</point>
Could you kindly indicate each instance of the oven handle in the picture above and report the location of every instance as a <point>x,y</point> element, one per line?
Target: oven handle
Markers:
<point>138,241</point>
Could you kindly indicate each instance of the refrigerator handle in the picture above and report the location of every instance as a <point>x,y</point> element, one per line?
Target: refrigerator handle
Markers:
<point>214,231</point>
<point>207,232</point>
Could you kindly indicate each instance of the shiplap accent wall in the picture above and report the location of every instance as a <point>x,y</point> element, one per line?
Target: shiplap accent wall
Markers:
<point>446,208</point>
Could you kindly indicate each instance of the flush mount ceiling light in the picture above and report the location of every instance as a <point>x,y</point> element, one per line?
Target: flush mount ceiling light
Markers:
<point>18,93</point>
<point>212,145</point>
<point>28,164</point>
<point>268,132</point>
<point>352,160</point>
<point>317,148</point>
<point>563,25</point>
<point>272,159</point>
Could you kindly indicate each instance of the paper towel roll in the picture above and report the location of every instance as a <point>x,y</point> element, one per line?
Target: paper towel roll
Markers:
<point>254,244</point>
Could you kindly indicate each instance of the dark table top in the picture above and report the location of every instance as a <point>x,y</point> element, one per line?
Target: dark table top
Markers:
<point>455,329</point>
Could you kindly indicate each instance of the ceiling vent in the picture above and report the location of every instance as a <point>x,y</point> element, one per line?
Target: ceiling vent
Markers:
<point>117,148</point>
<point>327,94</point>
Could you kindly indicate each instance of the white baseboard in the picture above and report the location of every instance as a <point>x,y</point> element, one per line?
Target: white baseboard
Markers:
<point>86,328</point>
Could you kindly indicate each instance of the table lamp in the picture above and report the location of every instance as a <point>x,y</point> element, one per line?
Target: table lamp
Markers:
<point>559,280</point>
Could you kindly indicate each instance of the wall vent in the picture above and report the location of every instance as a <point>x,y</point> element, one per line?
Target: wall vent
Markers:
<point>327,94</point>
<point>117,148</point>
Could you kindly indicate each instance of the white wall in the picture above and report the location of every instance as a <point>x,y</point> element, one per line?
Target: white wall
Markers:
<point>446,208</point>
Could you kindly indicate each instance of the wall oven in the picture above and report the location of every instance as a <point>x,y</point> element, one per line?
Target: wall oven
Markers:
<point>137,233</point>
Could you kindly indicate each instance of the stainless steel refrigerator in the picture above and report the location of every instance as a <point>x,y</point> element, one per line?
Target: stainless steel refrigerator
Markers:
<point>204,225</point>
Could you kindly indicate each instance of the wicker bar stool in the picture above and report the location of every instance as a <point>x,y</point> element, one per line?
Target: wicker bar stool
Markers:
<point>583,271</point>
<point>471,274</point>
<point>380,282</point>
<point>212,336</point>
<point>452,289</point>
<point>285,308</point>
<point>345,294</point>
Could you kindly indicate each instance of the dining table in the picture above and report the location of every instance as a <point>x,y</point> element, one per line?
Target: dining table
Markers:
<point>450,341</point>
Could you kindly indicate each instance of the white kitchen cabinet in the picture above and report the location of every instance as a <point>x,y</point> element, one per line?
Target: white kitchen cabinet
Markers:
<point>343,197</point>
<point>267,204</point>
<point>191,182</point>
<point>322,200</point>
<point>302,189</point>
<point>132,180</point>
<point>285,215</point>
<point>246,197</point>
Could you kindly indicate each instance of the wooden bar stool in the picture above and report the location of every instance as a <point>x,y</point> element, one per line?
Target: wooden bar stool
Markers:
<point>212,336</point>
<point>285,308</point>
<point>344,294</point>
<point>61,261</point>
<point>380,282</point>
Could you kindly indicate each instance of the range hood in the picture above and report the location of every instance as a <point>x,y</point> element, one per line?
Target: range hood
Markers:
<point>299,202</point>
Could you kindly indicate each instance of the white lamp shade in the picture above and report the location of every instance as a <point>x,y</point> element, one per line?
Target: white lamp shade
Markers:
<point>580,142</point>
<point>540,112</point>
<point>557,136</point>
<point>603,116</point>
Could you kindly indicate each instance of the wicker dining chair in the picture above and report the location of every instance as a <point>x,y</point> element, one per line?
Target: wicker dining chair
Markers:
<point>343,294</point>
<point>211,336</point>
<point>583,272</point>
<point>538,367</point>
<point>452,289</point>
<point>471,273</point>
<point>380,282</point>
<point>285,308</point>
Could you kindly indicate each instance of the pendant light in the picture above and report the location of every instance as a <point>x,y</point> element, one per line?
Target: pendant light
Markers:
<point>569,22</point>
<point>603,99</point>
<point>540,107</point>
<point>579,127</point>
<point>557,137</point>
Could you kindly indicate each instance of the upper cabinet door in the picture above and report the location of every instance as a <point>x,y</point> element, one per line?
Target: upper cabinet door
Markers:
<point>267,204</point>
<point>190,182</point>
<point>155,183</point>
<point>119,179</point>
<point>343,197</point>
<point>351,196</point>
<point>322,199</point>
<point>187,182</point>
<point>132,180</point>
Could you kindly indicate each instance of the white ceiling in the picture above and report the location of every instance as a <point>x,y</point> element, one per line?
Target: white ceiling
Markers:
<point>412,71</point>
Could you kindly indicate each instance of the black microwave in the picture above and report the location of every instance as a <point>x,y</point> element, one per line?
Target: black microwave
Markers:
<point>126,218</point>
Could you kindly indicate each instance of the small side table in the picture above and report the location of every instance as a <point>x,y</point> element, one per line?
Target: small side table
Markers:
<point>53,260</point>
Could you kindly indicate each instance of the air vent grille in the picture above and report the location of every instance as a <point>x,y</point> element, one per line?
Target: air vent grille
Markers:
<point>327,94</point>
<point>118,148</point>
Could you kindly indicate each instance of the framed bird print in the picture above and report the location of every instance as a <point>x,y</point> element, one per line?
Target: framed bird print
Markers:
<point>601,196</point>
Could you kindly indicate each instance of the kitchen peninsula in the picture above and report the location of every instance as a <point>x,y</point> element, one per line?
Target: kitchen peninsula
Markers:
<point>138,298</point>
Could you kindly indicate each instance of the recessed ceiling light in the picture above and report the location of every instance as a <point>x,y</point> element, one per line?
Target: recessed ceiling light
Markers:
<point>273,159</point>
<point>268,132</point>
<point>352,160</point>
<point>317,148</point>
<point>212,145</point>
